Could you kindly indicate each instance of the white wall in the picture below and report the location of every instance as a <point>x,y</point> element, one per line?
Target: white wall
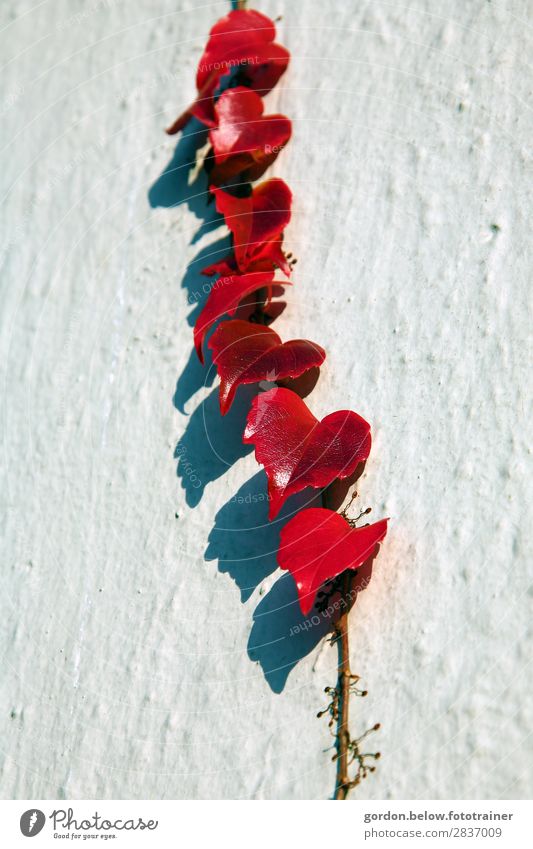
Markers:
<point>125,648</point>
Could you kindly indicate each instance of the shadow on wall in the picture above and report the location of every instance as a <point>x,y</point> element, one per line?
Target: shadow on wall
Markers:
<point>173,187</point>
<point>243,541</point>
<point>281,635</point>
<point>195,375</point>
<point>212,443</point>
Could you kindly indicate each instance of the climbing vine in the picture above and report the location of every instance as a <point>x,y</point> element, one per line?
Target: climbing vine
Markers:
<point>321,548</point>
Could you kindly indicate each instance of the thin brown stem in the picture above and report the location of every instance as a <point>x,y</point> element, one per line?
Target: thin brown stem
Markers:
<point>241,4</point>
<point>345,679</point>
<point>348,749</point>
<point>342,786</point>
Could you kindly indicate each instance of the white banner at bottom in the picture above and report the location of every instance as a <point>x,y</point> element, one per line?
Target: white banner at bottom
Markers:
<point>148,823</point>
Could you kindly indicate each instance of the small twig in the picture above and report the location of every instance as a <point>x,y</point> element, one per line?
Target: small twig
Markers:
<point>240,4</point>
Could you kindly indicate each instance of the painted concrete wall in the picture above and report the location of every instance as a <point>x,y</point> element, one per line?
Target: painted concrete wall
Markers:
<point>145,628</point>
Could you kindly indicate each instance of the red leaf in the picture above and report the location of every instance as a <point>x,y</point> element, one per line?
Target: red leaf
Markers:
<point>248,353</point>
<point>236,36</point>
<point>297,450</point>
<point>242,39</point>
<point>257,222</point>
<point>268,257</point>
<point>318,544</point>
<point>244,140</point>
<point>224,297</point>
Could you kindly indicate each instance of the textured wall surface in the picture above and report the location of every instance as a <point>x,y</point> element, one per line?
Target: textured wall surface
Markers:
<point>145,629</point>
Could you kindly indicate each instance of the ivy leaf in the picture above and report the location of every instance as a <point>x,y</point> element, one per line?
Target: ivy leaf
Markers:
<point>247,353</point>
<point>297,450</point>
<point>243,40</point>
<point>244,140</point>
<point>256,222</point>
<point>225,296</point>
<point>319,544</point>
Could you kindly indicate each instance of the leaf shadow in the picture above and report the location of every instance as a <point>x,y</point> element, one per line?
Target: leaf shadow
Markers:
<point>243,539</point>
<point>211,443</point>
<point>174,186</point>
<point>282,635</point>
<point>195,375</point>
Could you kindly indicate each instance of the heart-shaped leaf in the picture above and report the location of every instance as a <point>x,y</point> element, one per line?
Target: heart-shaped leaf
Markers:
<point>247,353</point>
<point>256,221</point>
<point>318,544</point>
<point>243,41</point>
<point>244,140</point>
<point>225,296</point>
<point>297,450</point>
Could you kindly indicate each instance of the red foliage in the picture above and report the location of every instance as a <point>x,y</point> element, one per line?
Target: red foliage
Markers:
<point>257,223</point>
<point>267,257</point>
<point>318,544</point>
<point>247,353</point>
<point>225,296</point>
<point>297,450</point>
<point>242,40</point>
<point>245,141</point>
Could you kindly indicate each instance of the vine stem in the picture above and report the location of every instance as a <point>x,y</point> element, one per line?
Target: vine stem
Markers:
<point>342,787</point>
